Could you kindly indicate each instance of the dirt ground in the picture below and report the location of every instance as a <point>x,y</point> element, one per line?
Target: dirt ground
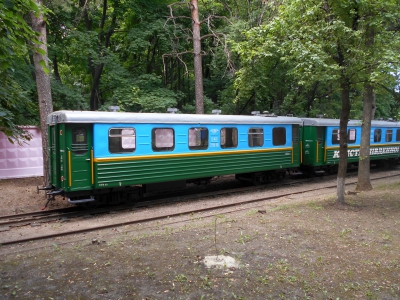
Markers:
<point>20,195</point>
<point>308,249</point>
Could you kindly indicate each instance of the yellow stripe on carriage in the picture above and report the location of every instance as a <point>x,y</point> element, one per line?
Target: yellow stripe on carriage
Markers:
<point>301,152</point>
<point>92,165</point>
<point>69,169</point>
<point>292,152</point>
<point>181,155</point>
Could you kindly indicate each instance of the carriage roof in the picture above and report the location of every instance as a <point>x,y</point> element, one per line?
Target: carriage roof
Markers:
<point>162,118</point>
<point>336,122</point>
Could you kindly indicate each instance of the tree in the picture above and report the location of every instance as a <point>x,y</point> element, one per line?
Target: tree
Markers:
<point>321,42</point>
<point>198,68</point>
<point>381,28</point>
<point>104,36</point>
<point>364,182</point>
<point>43,85</point>
<point>181,32</point>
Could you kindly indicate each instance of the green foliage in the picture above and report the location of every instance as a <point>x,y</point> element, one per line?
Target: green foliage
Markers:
<point>145,94</point>
<point>303,67</point>
<point>16,108</point>
<point>14,31</point>
<point>67,97</point>
<point>209,106</point>
<point>273,62</point>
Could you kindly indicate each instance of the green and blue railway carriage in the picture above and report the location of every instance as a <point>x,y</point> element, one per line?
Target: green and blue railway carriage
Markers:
<point>321,138</point>
<point>96,153</point>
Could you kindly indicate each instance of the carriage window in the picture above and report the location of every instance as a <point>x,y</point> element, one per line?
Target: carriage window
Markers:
<point>229,137</point>
<point>351,136</point>
<point>79,141</point>
<point>256,137</point>
<point>198,138</point>
<point>389,135</point>
<point>377,135</point>
<point>163,139</point>
<point>121,140</point>
<point>335,136</point>
<point>398,135</point>
<point>279,136</point>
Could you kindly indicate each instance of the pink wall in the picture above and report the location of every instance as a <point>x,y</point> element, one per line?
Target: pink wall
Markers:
<point>21,161</point>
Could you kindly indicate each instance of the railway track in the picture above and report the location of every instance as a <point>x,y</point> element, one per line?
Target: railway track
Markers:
<point>69,213</point>
<point>29,218</point>
<point>24,219</point>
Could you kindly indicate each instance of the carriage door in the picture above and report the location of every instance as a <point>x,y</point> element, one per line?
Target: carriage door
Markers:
<point>79,145</point>
<point>320,154</point>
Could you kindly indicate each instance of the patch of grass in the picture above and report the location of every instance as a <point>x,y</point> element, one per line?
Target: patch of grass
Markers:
<point>345,232</point>
<point>181,278</point>
<point>281,207</point>
<point>252,212</point>
<point>243,238</point>
<point>315,205</point>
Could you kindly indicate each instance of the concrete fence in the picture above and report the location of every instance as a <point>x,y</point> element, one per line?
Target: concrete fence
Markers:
<point>21,161</point>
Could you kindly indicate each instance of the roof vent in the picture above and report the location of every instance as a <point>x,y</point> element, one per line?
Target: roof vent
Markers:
<point>172,110</point>
<point>255,113</point>
<point>216,111</point>
<point>320,116</point>
<point>289,115</point>
<point>113,108</point>
<point>267,114</point>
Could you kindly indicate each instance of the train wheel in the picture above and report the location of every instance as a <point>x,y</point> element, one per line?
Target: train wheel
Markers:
<point>273,177</point>
<point>89,205</point>
<point>256,179</point>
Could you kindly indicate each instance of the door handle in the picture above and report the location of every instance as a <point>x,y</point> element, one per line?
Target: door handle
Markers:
<point>87,159</point>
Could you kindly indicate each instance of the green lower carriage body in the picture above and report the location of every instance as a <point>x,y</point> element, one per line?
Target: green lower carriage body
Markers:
<point>378,152</point>
<point>328,160</point>
<point>127,171</point>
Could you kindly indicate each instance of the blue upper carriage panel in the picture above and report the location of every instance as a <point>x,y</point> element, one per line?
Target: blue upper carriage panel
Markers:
<point>382,132</point>
<point>118,134</point>
<point>121,140</point>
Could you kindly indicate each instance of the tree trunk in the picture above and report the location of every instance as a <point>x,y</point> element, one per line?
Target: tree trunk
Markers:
<point>344,119</point>
<point>364,182</point>
<point>43,89</point>
<point>95,91</point>
<point>198,68</point>
<point>55,69</point>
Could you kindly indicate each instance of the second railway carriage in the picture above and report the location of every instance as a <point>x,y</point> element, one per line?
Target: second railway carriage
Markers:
<point>321,138</point>
<point>110,156</point>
